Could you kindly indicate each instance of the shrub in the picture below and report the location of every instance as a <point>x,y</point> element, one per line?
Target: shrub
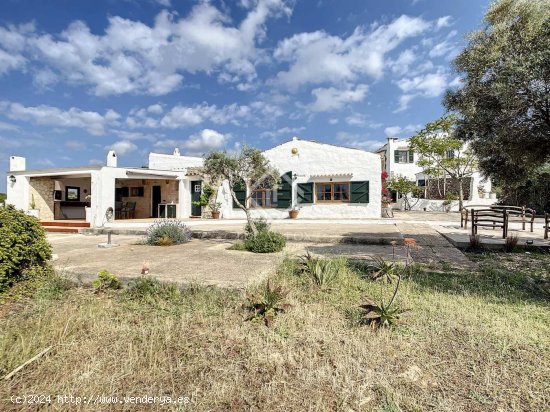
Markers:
<point>23,245</point>
<point>148,289</point>
<point>261,225</point>
<point>265,242</point>
<point>168,233</point>
<point>475,242</point>
<point>106,280</point>
<point>267,303</point>
<point>511,243</point>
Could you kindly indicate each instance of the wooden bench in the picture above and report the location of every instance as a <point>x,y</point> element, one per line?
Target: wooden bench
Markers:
<point>515,213</point>
<point>489,218</point>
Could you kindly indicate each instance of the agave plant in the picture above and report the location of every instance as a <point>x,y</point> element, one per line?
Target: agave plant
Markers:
<point>383,270</point>
<point>323,272</point>
<point>267,304</point>
<point>380,315</point>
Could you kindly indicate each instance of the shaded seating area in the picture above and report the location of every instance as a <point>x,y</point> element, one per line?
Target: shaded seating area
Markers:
<point>125,210</point>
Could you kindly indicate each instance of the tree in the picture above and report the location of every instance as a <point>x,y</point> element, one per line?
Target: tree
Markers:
<point>2,197</point>
<point>248,167</point>
<point>440,150</point>
<point>503,105</point>
<point>404,186</point>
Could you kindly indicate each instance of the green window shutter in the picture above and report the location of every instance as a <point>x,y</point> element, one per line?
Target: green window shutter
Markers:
<point>305,193</point>
<point>396,156</point>
<point>240,193</point>
<point>284,191</point>
<point>411,156</point>
<point>360,192</point>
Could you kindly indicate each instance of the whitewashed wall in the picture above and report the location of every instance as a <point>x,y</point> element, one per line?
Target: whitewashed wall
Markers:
<point>314,158</point>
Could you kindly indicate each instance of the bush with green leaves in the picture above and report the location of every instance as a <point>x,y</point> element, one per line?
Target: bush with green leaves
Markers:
<point>23,245</point>
<point>167,233</point>
<point>265,242</point>
<point>106,280</point>
<point>262,225</point>
<point>148,289</point>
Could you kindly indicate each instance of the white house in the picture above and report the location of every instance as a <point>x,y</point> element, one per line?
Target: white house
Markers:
<point>398,159</point>
<point>321,180</point>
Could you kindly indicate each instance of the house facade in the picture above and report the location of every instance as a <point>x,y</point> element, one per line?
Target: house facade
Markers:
<point>320,180</point>
<point>398,158</point>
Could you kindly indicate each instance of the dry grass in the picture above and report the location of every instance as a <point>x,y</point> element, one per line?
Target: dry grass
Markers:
<point>476,342</point>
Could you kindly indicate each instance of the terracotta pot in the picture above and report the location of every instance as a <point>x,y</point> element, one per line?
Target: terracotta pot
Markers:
<point>216,215</point>
<point>293,214</point>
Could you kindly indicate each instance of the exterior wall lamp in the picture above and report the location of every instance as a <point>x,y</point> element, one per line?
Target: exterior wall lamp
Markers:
<point>13,179</point>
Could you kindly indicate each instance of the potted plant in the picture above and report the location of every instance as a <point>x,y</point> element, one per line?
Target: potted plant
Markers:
<point>293,213</point>
<point>33,211</point>
<point>480,191</point>
<point>386,201</point>
<point>215,208</point>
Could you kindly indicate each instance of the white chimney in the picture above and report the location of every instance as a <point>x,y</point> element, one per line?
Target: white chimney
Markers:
<point>111,159</point>
<point>17,164</point>
<point>176,152</point>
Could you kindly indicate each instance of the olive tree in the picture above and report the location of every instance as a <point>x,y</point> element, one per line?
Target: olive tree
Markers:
<point>439,150</point>
<point>404,186</point>
<point>503,104</point>
<point>249,167</point>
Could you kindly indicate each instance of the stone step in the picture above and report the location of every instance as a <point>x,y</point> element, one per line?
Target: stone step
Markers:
<point>61,229</point>
<point>67,223</point>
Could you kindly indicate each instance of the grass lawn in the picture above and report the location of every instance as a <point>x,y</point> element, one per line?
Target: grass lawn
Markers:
<point>471,341</point>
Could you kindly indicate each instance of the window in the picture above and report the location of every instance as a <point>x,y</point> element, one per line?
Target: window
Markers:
<point>72,194</point>
<point>137,191</point>
<point>264,198</point>
<point>332,192</point>
<point>450,154</point>
<point>403,156</point>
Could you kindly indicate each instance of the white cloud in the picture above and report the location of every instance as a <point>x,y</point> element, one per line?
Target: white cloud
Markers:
<point>122,147</point>
<point>134,57</point>
<point>93,122</point>
<point>319,57</point>
<point>199,143</point>
<point>288,131</point>
<point>401,65</point>
<point>398,130</point>
<point>425,85</point>
<point>8,126</point>
<point>331,98</point>
<point>207,139</point>
<point>358,141</point>
<point>44,79</point>
<point>445,48</point>
<point>430,84</point>
<point>444,21</point>
<point>183,116</point>
<point>355,119</point>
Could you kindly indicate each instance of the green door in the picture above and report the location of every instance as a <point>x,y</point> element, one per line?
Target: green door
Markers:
<point>196,190</point>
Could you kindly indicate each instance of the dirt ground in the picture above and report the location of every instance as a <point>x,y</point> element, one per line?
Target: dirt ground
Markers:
<point>199,261</point>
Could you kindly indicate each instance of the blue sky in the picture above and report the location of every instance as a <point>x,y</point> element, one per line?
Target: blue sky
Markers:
<point>80,77</point>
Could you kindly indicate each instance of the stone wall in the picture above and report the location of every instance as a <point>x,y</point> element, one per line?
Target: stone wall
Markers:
<point>42,189</point>
<point>169,190</point>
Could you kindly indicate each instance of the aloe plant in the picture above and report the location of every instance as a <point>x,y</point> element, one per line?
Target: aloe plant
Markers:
<point>267,304</point>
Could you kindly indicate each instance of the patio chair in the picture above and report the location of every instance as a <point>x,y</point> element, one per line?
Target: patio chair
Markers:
<point>131,210</point>
<point>489,218</point>
<point>118,209</point>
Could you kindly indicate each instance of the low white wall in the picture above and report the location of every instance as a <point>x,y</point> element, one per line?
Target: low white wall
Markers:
<point>431,205</point>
